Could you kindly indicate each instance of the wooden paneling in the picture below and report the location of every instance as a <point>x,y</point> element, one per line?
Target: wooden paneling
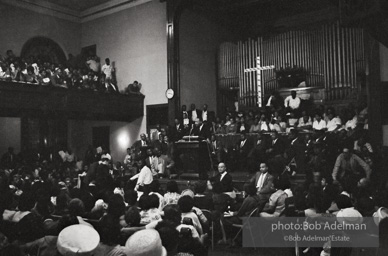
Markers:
<point>40,101</point>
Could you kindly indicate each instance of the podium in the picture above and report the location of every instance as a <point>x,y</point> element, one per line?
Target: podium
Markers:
<point>194,157</point>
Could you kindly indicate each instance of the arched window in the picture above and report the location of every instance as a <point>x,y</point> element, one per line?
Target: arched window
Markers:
<point>44,49</point>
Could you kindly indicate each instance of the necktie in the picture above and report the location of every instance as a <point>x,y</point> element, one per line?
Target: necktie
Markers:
<point>260,181</point>
<point>242,143</point>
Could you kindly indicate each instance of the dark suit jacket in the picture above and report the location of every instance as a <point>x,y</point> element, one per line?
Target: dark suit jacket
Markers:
<point>278,147</point>
<point>177,132</point>
<point>298,150</point>
<point>199,114</point>
<point>204,132</point>
<point>267,185</point>
<point>138,144</point>
<point>246,149</point>
<point>227,182</point>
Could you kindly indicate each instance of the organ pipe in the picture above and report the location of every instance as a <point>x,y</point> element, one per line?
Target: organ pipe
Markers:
<point>332,56</point>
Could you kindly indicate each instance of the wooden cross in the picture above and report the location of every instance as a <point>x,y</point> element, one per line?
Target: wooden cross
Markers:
<point>258,69</point>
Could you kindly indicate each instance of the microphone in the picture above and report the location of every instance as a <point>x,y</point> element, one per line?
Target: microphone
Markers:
<point>192,127</point>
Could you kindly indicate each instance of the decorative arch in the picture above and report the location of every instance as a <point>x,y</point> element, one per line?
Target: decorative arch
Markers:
<point>43,48</point>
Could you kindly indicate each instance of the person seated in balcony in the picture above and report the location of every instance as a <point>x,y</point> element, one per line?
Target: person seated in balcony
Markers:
<point>57,77</point>
<point>30,77</point>
<point>220,127</point>
<point>278,125</point>
<point>305,122</point>
<point>232,127</point>
<point>43,77</point>
<point>93,63</point>
<point>334,123</point>
<point>10,57</point>
<point>292,121</point>
<point>255,127</point>
<point>319,125</point>
<point>15,71</point>
<point>292,102</point>
<point>264,124</point>
<point>352,121</point>
<point>243,126</point>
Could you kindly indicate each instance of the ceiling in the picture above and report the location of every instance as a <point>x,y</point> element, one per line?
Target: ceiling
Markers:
<point>252,17</point>
<point>77,5</point>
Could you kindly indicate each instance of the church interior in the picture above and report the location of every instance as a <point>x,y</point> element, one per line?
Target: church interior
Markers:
<point>216,111</point>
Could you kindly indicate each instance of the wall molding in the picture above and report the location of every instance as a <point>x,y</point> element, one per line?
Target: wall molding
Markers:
<point>43,7</point>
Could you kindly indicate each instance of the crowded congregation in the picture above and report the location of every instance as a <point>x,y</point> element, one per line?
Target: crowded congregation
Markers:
<point>186,128</point>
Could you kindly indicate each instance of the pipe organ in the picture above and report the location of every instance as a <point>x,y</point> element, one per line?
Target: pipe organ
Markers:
<point>332,57</point>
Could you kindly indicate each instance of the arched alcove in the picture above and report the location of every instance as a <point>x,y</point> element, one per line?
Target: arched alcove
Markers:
<point>44,49</point>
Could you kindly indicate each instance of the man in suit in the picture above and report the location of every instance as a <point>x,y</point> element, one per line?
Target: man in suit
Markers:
<point>244,147</point>
<point>264,184</point>
<point>194,113</point>
<point>216,149</point>
<point>277,146</point>
<point>177,130</point>
<point>224,177</point>
<point>200,129</point>
<point>155,134</point>
<point>141,145</point>
<point>297,150</point>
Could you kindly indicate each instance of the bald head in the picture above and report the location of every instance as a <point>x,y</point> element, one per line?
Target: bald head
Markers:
<point>221,168</point>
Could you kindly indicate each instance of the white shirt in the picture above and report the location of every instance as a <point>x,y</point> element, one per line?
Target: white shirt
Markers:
<point>145,176</point>
<point>204,115</point>
<point>292,103</point>
<point>351,124</point>
<point>107,70</point>
<point>303,123</point>
<point>242,143</point>
<point>194,115</point>
<point>332,124</point>
<point>319,125</point>
<point>261,180</point>
<point>127,159</point>
<point>263,126</point>
<point>222,175</point>
<point>269,101</point>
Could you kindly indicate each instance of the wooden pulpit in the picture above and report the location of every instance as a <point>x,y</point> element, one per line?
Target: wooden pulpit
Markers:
<point>195,159</point>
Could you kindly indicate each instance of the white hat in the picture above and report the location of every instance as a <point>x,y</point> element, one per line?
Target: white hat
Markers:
<point>78,240</point>
<point>380,214</point>
<point>145,243</point>
<point>349,216</point>
<point>188,192</point>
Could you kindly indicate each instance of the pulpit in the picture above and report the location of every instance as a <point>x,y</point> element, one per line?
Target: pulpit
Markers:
<point>194,157</point>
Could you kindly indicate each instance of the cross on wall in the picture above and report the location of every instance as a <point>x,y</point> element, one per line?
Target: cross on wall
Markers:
<point>258,69</point>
